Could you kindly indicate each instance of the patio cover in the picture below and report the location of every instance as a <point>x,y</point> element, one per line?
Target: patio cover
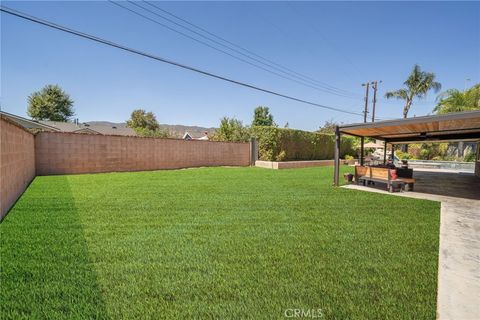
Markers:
<point>459,126</point>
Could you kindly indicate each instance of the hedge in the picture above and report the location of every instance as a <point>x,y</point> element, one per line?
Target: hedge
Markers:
<point>281,144</point>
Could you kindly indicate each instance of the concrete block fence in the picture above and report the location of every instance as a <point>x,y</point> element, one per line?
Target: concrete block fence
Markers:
<point>24,155</point>
<point>17,163</point>
<point>66,153</point>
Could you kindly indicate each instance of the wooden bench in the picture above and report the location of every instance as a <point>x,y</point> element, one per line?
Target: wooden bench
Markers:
<point>383,175</point>
<point>409,182</point>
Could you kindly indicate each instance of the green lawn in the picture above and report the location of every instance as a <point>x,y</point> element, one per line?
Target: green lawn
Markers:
<point>216,243</point>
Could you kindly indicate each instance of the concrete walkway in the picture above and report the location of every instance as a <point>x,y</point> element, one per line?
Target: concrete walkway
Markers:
<point>459,256</point>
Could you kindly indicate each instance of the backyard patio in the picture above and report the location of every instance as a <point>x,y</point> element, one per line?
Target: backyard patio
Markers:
<point>458,192</point>
<point>438,184</point>
<point>216,243</point>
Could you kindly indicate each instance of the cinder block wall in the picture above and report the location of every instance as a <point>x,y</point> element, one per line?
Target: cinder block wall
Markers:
<point>17,163</point>
<point>63,153</point>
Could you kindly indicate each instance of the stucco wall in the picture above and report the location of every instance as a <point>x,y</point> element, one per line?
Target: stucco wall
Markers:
<point>17,163</point>
<point>63,153</point>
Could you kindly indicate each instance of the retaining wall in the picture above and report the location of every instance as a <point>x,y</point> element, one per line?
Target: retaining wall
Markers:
<point>297,164</point>
<point>17,163</point>
<point>66,153</point>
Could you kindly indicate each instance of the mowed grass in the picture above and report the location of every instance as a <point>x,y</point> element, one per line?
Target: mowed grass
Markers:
<point>216,243</point>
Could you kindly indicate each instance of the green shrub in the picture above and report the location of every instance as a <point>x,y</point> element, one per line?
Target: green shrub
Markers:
<point>152,133</point>
<point>231,129</point>
<point>281,156</point>
<point>469,157</point>
<point>403,155</point>
<point>283,144</point>
<point>425,154</point>
<point>348,157</point>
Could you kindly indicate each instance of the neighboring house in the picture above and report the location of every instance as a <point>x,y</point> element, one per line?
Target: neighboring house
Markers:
<point>105,128</point>
<point>92,127</point>
<point>28,123</point>
<point>102,127</point>
<point>188,136</point>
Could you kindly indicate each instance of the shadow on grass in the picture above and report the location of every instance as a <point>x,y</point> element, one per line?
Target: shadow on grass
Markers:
<point>46,271</point>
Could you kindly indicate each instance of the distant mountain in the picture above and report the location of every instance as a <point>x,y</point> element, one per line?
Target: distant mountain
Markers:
<point>176,130</point>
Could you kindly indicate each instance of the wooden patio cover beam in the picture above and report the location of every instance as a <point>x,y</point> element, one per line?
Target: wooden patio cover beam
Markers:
<point>446,126</point>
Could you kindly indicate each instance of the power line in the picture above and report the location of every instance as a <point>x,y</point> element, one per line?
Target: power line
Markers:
<point>157,58</point>
<point>212,47</point>
<point>270,64</point>
<point>302,76</point>
<point>219,43</point>
<point>301,81</point>
<point>316,30</point>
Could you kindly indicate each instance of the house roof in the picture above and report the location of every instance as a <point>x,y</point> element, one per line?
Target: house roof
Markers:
<point>105,128</point>
<point>99,128</point>
<point>28,123</point>
<point>188,136</point>
<point>463,126</point>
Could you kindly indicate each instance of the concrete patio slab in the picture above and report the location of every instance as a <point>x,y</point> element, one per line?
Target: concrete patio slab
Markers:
<point>459,253</point>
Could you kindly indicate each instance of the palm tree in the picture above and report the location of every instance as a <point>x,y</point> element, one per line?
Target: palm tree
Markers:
<point>454,100</point>
<point>417,85</point>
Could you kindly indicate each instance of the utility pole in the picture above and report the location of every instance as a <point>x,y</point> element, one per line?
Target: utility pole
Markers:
<point>367,86</point>
<point>362,139</point>
<point>375,87</point>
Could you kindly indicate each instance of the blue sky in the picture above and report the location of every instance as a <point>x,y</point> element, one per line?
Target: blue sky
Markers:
<point>340,43</point>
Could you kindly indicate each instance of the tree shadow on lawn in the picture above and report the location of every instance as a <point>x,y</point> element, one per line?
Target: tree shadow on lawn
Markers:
<point>46,271</point>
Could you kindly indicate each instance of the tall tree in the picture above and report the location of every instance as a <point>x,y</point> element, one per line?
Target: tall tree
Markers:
<point>262,117</point>
<point>454,100</point>
<point>416,86</point>
<point>140,119</point>
<point>231,129</point>
<point>50,103</point>
<point>145,124</point>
